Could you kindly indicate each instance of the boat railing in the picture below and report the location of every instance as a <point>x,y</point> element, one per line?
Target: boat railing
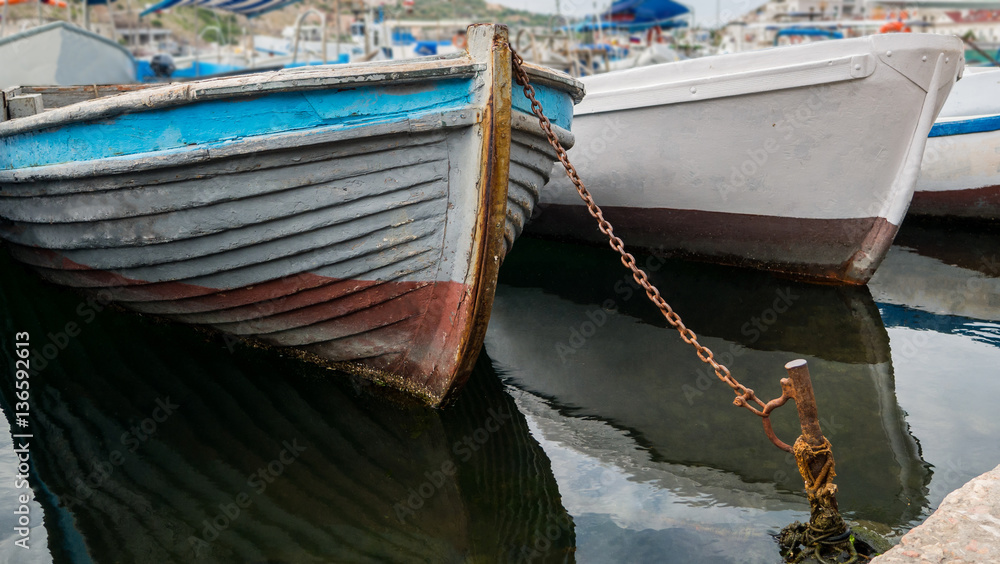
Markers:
<point>218,46</point>
<point>298,33</point>
<point>557,50</point>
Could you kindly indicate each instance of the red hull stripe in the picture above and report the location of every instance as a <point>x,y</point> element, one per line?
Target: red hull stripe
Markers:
<point>833,250</point>
<point>404,328</point>
<point>982,203</point>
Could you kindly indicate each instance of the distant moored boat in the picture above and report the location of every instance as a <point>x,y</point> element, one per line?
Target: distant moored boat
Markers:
<point>800,160</point>
<point>62,54</point>
<point>357,214</point>
<point>960,173</point>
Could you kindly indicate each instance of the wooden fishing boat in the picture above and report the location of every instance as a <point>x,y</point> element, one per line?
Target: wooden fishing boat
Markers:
<point>357,214</point>
<point>62,54</point>
<point>960,172</point>
<point>800,160</point>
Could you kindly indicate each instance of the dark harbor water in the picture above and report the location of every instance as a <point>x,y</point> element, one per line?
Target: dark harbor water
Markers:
<point>589,431</point>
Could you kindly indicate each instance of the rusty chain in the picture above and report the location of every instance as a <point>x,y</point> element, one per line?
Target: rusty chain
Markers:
<point>744,395</point>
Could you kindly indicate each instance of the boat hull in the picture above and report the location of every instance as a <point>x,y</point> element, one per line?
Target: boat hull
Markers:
<point>960,177</point>
<point>960,172</point>
<point>361,227</point>
<point>769,159</point>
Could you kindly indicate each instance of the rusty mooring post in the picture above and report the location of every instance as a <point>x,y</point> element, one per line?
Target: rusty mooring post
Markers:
<point>826,530</point>
<point>814,457</point>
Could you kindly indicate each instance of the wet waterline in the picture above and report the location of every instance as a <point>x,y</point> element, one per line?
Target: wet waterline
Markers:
<point>588,432</point>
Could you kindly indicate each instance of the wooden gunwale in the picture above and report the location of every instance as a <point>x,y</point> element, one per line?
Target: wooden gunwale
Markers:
<point>298,80</point>
<point>180,157</point>
<point>237,148</point>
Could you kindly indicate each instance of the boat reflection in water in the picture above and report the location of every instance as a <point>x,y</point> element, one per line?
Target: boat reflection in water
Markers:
<point>944,271</point>
<point>939,294</point>
<point>646,445</point>
<point>153,443</point>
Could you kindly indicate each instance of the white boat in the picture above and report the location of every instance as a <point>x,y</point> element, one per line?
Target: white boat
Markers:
<point>62,54</point>
<point>800,160</point>
<point>960,173</point>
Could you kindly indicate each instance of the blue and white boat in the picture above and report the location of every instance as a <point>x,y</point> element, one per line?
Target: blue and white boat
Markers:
<point>356,214</point>
<point>960,171</point>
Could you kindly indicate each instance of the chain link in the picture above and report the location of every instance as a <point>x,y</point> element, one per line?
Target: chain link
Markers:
<point>744,395</point>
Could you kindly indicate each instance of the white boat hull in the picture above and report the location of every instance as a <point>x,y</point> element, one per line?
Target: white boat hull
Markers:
<point>61,54</point>
<point>960,173</point>
<point>800,160</point>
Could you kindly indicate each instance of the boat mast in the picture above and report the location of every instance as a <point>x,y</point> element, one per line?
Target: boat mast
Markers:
<point>336,19</point>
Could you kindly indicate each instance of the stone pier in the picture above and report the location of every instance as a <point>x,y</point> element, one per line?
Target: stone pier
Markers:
<point>965,528</point>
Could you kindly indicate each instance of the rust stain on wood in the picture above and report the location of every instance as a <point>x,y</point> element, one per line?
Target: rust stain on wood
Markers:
<point>493,206</point>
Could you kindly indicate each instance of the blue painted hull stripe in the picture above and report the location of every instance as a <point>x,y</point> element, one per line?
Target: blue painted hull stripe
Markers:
<point>194,126</point>
<point>558,105</point>
<point>961,127</point>
<point>199,124</point>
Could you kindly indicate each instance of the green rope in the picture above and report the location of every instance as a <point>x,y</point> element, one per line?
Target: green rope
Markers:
<point>800,541</point>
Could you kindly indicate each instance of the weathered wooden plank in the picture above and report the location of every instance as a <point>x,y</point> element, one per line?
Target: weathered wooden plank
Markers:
<point>59,96</point>
<point>539,75</point>
<point>401,262</point>
<point>530,166</point>
<point>335,166</point>
<point>268,260</point>
<point>216,124</point>
<point>97,174</point>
